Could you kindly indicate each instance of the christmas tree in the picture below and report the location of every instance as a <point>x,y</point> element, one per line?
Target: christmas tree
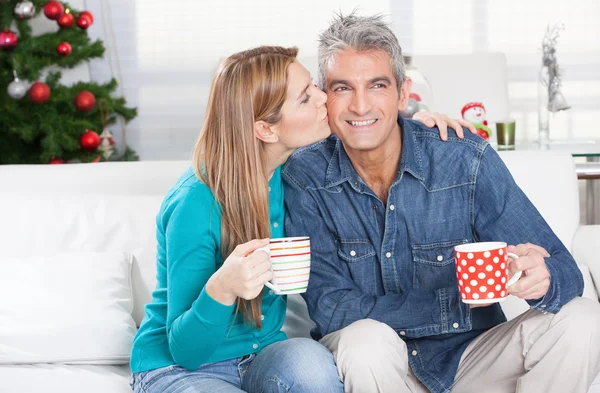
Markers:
<point>43,121</point>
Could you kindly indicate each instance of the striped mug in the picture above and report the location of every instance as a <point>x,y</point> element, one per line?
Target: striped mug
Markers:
<point>290,262</point>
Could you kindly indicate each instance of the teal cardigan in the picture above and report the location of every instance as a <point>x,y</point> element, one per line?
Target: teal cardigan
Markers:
<point>182,324</point>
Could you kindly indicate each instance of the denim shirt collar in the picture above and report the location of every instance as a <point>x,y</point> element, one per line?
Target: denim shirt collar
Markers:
<point>340,167</point>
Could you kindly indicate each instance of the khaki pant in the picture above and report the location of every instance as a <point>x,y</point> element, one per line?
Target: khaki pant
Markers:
<point>535,352</point>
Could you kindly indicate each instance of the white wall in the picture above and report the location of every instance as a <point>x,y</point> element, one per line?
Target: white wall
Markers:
<point>164,54</point>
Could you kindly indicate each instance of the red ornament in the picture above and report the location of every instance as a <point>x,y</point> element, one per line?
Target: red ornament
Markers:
<point>53,10</point>
<point>55,161</point>
<point>415,97</point>
<point>484,134</point>
<point>90,141</point>
<point>87,14</point>
<point>84,21</point>
<point>66,20</point>
<point>64,49</point>
<point>85,101</point>
<point>8,40</point>
<point>39,92</point>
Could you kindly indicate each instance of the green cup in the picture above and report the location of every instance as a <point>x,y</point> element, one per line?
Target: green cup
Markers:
<point>505,134</point>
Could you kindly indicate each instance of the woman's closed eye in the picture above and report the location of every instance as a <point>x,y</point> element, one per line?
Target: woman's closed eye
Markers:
<point>304,101</point>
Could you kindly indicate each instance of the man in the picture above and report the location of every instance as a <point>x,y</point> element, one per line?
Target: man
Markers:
<point>385,202</point>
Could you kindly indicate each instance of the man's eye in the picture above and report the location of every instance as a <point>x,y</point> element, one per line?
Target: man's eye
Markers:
<point>379,86</point>
<point>341,88</point>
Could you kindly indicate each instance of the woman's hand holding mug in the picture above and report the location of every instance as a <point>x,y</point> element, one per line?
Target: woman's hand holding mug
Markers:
<point>243,274</point>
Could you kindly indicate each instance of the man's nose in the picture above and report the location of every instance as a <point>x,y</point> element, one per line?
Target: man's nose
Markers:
<point>360,103</point>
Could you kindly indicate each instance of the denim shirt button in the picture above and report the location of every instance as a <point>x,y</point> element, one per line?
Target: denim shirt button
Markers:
<point>392,207</point>
<point>402,333</point>
<point>440,258</point>
<point>388,254</point>
<point>455,325</point>
<point>414,353</point>
<point>352,253</point>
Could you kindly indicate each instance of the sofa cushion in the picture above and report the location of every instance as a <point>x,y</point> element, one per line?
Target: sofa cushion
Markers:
<point>46,224</point>
<point>549,180</point>
<point>586,250</point>
<point>67,308</point>
<point>63,378</point>
<point>514,306</point>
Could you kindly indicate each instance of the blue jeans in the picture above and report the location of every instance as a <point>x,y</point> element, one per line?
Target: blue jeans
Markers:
<point>298,365</point>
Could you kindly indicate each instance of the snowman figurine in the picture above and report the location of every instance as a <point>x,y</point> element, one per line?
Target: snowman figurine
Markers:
<point>474,112</point>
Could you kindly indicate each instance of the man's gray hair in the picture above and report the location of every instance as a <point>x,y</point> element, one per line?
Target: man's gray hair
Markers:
<point>359,33</point>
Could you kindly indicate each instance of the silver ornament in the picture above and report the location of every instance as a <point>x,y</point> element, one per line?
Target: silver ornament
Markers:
<point>552,73</point>
<point>422,107</point>
<point>411,108</point>
<point>24,9</point>
<point>17,89</point>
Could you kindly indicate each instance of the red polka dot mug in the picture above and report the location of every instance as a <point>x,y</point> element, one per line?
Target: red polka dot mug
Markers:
<point>482,272</point>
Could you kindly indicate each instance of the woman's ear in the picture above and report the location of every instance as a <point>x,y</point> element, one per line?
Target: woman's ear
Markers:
<point>265,132</point>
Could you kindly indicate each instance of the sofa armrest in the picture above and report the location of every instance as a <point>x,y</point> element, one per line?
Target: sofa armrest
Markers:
<point>586,251</point>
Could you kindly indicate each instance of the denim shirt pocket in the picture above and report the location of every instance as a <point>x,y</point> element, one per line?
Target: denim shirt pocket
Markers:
<point>359,255</point>
<point>434,264</point>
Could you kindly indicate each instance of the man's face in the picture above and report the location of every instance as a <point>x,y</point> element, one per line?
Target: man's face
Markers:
<point>363,99</point>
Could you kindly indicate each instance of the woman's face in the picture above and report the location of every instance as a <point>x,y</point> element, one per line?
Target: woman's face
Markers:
<point>304,114</point>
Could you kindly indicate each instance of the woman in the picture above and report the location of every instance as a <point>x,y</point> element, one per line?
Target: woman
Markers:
<point>210,326</point>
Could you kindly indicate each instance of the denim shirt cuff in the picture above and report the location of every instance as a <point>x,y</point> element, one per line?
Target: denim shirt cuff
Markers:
<point>550,302</point>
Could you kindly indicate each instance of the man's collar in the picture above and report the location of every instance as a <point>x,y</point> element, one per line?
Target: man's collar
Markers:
<point>340,167</point>
<point>410,161</point>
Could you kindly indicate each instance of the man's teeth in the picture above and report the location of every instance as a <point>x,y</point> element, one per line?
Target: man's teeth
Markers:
<point>362,123</point>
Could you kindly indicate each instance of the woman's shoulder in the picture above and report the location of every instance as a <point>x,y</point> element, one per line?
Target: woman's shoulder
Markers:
<point>189,190</point>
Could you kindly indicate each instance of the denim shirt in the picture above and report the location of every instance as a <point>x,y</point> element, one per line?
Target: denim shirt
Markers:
<point>395,263</point>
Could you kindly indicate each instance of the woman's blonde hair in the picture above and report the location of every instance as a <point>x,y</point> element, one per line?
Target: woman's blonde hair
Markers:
<point>249,86</point>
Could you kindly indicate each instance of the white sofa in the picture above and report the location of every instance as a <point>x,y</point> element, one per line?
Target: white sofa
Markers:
<point>49,210</point>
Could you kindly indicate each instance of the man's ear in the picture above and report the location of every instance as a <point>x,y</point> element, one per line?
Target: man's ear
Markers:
<point>265,132</point>
<point>404,94</point>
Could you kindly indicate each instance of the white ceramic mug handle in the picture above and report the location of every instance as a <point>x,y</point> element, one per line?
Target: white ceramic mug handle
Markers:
<point>269,284</point>
<point>274,287</point>
<point>518,274</point>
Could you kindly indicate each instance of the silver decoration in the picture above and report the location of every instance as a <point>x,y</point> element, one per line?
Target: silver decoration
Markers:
<point>17,89</point>
<point>411,108</point>
<point>552,78</point>
<point>422,107</point>
<point>24,9</point>
<point>106,147</point>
